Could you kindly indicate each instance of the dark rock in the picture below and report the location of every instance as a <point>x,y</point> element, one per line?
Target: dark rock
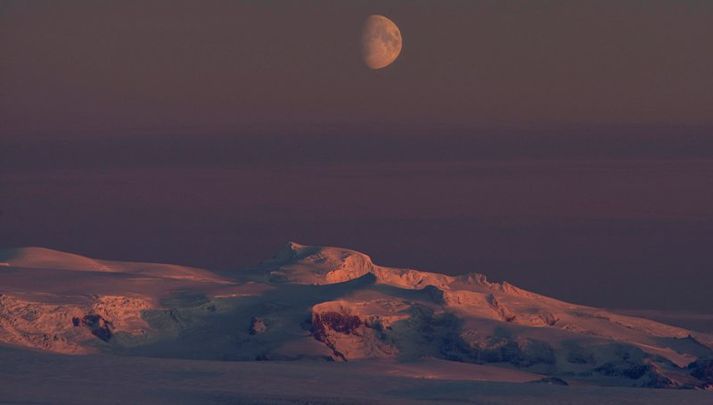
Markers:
<point>99,326</point>
<point>623,369</point>
<point>504,313</point>
<point>335,321</point>
<point>519,352</point>
<point>548,318</point>
<point>647,375</point>
<point>257,326</point>
<point>652,379</point>
<point>702,369</point>
<point>434,293</point>
<point>551,381</point>
<point>579,355</point>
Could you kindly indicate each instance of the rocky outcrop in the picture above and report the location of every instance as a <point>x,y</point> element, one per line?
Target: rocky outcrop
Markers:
<point>702,369</point>
<point>630,364</point>
<point>521,352</point>
<point>66,328</point>
<point>351,335</point>
<point>257,326</point>
<point>324,323</point>
<point>99,326</point>
<point>503,311</point>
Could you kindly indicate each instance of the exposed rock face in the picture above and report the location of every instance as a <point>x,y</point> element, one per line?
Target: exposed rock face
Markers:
<point>628,369</point>
<point>507,349</point>
<point>633,364</point>
<point>334,321</point>
<point>124,313</point>
<point>257,326</point>
<point>63,328</point>
<point>349,335</point>
<point>503,311</point>
<point>39,326</point>
<point>99,326</point>
<point>547,318</point>
<point>702,369</point>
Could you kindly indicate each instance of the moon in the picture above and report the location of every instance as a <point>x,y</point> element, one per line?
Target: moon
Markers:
<point>380,42</point>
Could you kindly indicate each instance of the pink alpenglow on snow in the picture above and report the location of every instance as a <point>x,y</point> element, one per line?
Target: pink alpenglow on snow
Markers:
<point>320,305</point>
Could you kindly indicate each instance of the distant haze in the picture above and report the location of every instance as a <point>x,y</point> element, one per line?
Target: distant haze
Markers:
<point>564,146</point>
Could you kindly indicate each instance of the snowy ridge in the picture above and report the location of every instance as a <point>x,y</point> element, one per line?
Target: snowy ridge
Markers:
<point>311,302</point>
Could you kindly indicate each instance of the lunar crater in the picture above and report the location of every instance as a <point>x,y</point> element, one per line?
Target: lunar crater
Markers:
<point>381,42</point>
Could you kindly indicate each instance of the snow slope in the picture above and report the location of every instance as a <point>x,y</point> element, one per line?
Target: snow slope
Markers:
<point>46,378</point>
<point>42,258</point>
<point>311,303</point>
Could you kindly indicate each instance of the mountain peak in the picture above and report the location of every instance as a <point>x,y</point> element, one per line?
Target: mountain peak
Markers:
<point>352,309</point>
<point>318,265</point>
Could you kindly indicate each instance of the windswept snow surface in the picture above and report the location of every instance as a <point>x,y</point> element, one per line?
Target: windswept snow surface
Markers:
<point>47,378</point>
<point>317,307</point>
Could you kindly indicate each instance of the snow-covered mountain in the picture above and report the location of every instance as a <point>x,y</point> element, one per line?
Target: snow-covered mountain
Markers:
<point>324,303</point>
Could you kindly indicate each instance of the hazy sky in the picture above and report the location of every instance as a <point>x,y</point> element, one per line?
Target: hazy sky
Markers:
<point>565,146</point>
<point>121,67</point>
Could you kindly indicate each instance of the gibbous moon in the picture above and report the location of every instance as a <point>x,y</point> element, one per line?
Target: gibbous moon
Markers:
<point>380,42</point>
